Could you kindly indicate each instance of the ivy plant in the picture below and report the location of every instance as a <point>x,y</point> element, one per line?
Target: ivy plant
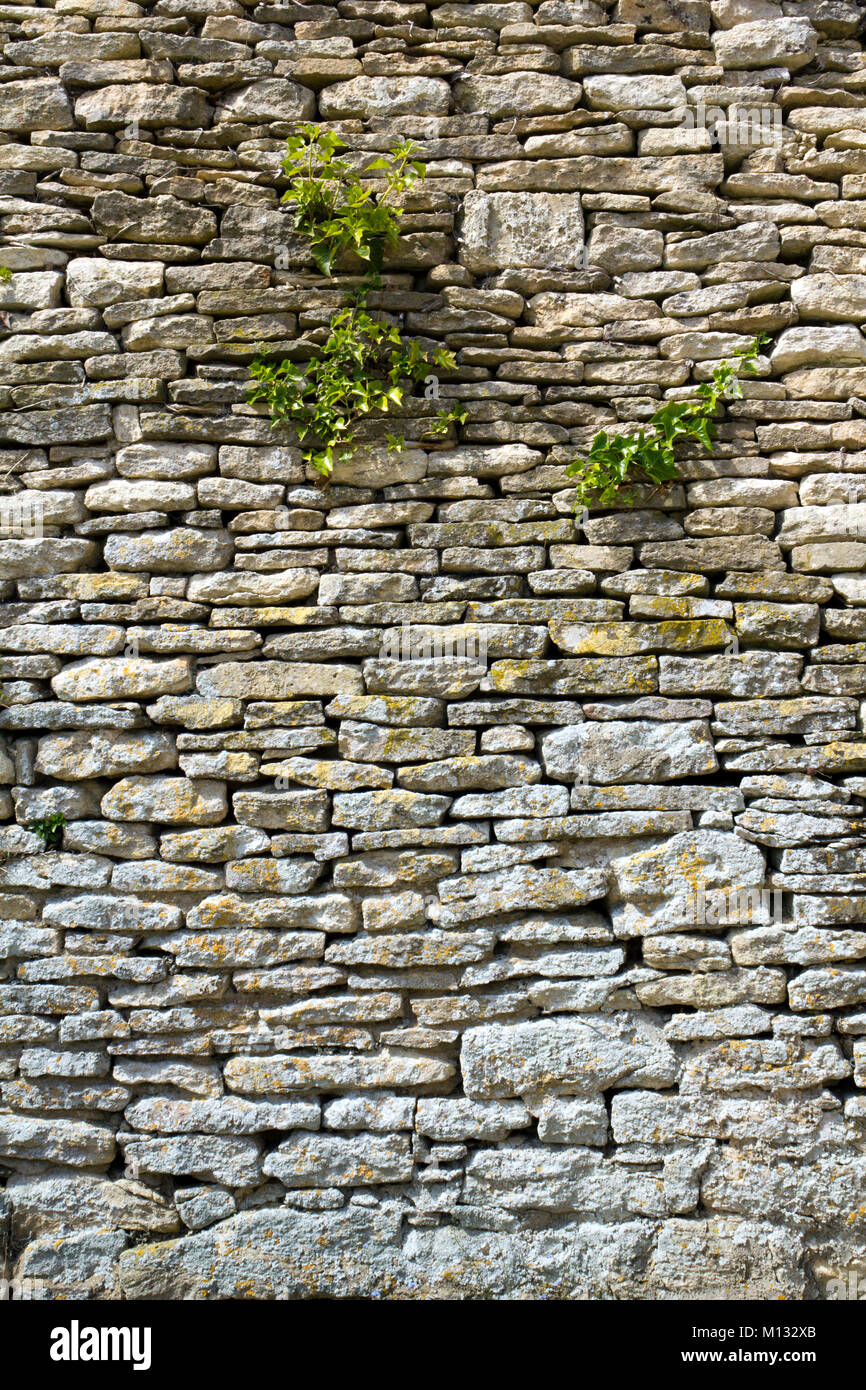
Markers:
<point>335,208</point>
<point>365,363</point>
<point>49,829</point>
<point>363,367</point>
<point>647,455</point>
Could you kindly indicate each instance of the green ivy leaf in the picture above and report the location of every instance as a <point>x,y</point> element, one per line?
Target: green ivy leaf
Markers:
<point>649,455</point>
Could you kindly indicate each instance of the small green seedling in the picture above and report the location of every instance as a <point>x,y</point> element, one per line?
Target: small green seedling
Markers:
<point>49,829</point>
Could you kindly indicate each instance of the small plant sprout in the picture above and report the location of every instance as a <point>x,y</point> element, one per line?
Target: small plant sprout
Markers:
<point>49,829</point>
<point>364,367</point>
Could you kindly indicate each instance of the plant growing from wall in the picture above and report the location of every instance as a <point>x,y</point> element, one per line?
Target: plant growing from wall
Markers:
<point>365,362</point>
<point>49,829</point>
<point>5,277</point>
<point>335,208</point>
<point>647,455</point>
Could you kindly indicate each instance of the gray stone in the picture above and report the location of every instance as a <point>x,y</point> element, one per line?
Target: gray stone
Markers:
<point>629,750</point>
<point>790,43</point>
<point>269,100</point>
<point>502,231</point>
<point>41,104</point>
<point>170,800</point>
<point>564,1057</point>
<point>367,97</point>
<point>320,1160</point>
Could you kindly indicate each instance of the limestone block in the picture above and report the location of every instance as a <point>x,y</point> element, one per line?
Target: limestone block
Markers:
<point>629,750</point>
<point>502,231</point>
<point>792,43</point>
<point>170,800</point>
<point>363,97</point>
<point>564,1057</point>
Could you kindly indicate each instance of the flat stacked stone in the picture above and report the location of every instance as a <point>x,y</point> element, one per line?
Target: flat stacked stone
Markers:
<point>436,863</point>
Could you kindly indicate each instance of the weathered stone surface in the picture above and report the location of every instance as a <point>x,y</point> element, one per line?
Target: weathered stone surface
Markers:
<point>282,810</point>
<point>21,559</point>
<point>801,347</point>
<point>503,231</point>
<point>333,911</point>
<point>123,678</point>
<point>153,104</point>
<point>40,104</point>
<point>323,1160</point>
<point>174,552</point>
<point>292,1075</point>
<point>828,1190</point>
<point>449,1120</point>
<point>743,675</point>
<point>616,93</point>
<point>239,589</point>
<point>516,94</point>
<point>383,825</point>
<point>789,42</point>
<point>524,887</point>
<point>629,750</point>
<point>652,1119</point>
<point>288,1251</point>
<point>151,220</point>
<point>226,1115</point>
<point>74,756</point>
<point>694,859</point>
<point>277,680</point>
<point>82,1265</point>
<point>172,800</point>
<point>269,100</point>
<point>233,1161</point>
<point>564,1057</point>
<point>385,96</point>
<point>48,1202</point>
<point>72,1142</point>
<point>831,987</point>
<point>573,1121</point>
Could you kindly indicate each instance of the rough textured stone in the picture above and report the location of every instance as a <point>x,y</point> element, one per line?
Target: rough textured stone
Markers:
<point>385,96</point>
<point>503,231</point>
<point>629,750</point>
<point>435,891</point>
<point>175,800</point>
<point>789,42</point>
<point>564,1057</point>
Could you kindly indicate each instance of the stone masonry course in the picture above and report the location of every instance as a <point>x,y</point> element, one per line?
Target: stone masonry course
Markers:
<point>435,891</point>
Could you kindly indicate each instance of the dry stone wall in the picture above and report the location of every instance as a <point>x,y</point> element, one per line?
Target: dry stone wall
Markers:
<point>455,898</point>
